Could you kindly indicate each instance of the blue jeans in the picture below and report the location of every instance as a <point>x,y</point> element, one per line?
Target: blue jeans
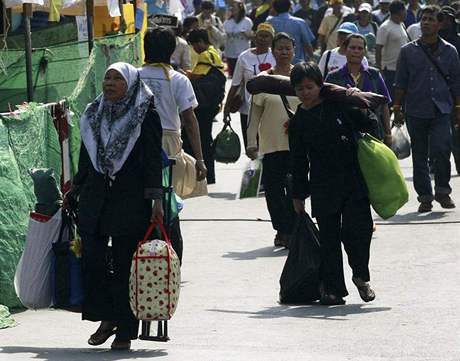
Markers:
<point>433,136</point>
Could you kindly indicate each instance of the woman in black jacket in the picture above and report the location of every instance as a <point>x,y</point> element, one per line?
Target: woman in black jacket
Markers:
<point>119,175</point>
<point>325,166</point>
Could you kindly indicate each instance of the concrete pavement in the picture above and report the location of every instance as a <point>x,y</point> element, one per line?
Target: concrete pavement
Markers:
<point>228,308</point>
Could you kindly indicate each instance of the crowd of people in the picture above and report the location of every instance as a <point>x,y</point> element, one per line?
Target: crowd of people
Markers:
<point>407,53</point>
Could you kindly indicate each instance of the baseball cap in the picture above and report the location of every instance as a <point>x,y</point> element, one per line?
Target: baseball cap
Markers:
<point>365,7</point>
<point>266,27</point>
<point>348,28</point>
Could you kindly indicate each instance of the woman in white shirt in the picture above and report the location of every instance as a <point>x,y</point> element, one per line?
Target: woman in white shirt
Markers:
<point>238,30</point>
<point>250,63</point>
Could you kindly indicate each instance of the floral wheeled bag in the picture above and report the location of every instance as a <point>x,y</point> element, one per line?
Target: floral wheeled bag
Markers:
<point>154,283</point>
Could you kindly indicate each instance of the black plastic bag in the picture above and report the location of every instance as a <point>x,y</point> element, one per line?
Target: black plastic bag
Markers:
<point>299,282</point>
<point>227,145</point>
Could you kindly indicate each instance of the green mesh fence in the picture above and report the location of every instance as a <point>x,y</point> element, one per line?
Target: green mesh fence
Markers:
<point>28,138</point>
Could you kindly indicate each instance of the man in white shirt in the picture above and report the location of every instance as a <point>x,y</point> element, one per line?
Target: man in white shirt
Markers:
<point>392,35</point>
<point>181,58</point>
<point>250,63</point>
<point>174,101</point>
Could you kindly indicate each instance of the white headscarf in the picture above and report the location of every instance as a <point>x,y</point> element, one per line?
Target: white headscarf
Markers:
<point>110,130</point>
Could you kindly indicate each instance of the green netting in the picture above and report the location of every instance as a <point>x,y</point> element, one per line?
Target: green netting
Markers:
<point>53,34</point>
<point>29,139</point>
<point>14,209</point>
<point>56,71</point>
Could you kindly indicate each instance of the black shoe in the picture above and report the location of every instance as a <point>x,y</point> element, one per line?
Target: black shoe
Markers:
<point>425,207</point>
<point>331,300</point>
<point>444,200</point>
<point>102,334</point>
<point>282,240</point>
<point>120,345</point>
<point>366,293</point>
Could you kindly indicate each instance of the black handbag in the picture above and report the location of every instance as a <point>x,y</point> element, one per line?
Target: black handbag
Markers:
<point>66,275</point>
<point>227,145</point>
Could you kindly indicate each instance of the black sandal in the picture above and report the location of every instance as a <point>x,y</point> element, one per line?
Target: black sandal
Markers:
<point>366,293</point>
<point>101,335</point>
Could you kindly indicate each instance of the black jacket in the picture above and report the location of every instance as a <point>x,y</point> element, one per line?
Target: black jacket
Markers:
<point>123,206</point>
<point>324,155</point>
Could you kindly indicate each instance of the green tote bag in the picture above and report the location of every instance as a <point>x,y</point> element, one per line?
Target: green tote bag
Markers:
<point>382,174</point>
<point>227,146</point>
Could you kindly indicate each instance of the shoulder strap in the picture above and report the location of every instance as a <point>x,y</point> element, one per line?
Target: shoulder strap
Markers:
<point>375,27</point>
<point>326,65</point>
<point>405,30</point>
<point>335,26</point>
<point>287,106</point>
<point>434,62</point>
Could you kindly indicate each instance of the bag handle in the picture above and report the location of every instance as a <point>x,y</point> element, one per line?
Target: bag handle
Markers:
<point>150,230</point>
<point>227,124</point>
<point>66,222</point>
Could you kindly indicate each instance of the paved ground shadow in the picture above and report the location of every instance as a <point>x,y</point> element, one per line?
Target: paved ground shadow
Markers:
<point>419,217</point>
<point>223,195</point>
<point>82,354</point>
<point>257,253</point>
<point>315,311</point>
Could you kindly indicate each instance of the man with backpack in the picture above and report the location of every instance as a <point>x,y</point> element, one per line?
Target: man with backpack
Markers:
<point>356,75</point>
<point>208,82</point>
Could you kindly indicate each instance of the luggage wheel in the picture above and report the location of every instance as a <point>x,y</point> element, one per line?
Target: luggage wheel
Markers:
<point>162,332</point>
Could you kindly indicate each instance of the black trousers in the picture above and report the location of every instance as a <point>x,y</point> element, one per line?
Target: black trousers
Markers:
<point>275,178</point>
<point>352,226</point>
<point>389,77</point>
<point>205,119</point>
<point>244,128</point>
<point>106,281</point>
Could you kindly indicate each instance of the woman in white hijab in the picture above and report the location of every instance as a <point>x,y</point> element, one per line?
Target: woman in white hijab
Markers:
<point>118,177</point>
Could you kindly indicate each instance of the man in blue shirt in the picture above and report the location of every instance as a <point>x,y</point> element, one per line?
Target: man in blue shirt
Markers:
<point>295,27</point>
<point>428,79</point>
